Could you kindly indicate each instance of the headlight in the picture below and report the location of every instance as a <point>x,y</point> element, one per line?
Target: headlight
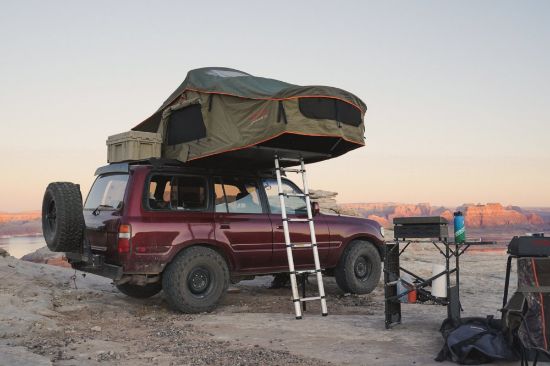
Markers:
<point>382,231</point>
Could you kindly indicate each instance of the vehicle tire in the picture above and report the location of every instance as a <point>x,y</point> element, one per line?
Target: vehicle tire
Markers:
<point>359,268</point>
<point>62,218</point>
<point>196,280</point>
<point>140,292</point>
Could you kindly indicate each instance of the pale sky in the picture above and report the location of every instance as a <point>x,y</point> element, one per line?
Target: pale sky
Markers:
<point>458,92</point>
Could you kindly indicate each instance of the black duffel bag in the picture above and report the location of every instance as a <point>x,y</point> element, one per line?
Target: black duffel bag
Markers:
<point>474,341</point>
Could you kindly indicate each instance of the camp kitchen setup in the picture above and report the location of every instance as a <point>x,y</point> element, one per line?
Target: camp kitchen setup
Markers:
<point>219,117</point>
<point>412,288</point>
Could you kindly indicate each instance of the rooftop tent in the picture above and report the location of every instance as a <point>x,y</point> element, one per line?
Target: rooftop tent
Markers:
<point>221,116</point>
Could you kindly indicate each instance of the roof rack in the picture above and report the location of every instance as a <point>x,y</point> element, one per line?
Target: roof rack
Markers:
<point>173,164</point>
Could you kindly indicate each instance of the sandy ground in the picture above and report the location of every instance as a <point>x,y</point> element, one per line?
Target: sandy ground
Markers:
<point>45,320</point>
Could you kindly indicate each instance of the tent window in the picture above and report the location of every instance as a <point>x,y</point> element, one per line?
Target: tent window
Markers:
<point>185,125</point>
<point>329,108</point>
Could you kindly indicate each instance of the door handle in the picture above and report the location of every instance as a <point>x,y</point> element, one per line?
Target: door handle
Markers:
<point>280,226</point>
<point>225,226</point>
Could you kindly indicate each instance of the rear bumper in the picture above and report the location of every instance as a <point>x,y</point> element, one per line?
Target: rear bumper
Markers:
<point>106,270</point>
<point>95,265</point>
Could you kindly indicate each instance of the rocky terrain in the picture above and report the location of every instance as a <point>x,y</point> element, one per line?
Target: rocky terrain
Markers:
<point>48,316</point>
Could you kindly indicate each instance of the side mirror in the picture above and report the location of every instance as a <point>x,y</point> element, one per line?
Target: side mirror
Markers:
<point>315,208</point>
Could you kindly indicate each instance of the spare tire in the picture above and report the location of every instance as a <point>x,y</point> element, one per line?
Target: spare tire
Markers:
<point>62,218</point>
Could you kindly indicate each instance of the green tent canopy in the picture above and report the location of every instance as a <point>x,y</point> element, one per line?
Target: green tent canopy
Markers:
<point>221,116</point>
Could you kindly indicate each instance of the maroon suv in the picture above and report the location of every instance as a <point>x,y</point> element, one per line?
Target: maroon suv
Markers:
<point>190,231</point>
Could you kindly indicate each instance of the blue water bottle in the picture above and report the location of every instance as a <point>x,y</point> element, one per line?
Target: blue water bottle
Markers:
<point>460,230</point>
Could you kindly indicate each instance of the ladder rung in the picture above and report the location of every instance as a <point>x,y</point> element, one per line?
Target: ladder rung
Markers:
<point>294,194</point>
<point>297,220</point>
<point>294,160</point>
<point>292,170</point>
<point>305,245</point>
<point>307,271</point>
<point>304,299</point>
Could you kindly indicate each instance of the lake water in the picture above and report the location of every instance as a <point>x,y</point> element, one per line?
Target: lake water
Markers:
<point>20,245</point>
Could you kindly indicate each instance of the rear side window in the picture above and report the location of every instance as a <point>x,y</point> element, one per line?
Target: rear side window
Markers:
<point>107,192</point>
<point>237,195</point>
<point>330,108</point>
<point>176,192</point>
<point>185,125</point>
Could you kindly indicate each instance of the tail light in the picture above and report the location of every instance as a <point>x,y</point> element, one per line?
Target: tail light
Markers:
<point>124,236</point>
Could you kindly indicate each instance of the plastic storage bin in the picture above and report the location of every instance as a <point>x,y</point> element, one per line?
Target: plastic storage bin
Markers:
<point>133,145</point>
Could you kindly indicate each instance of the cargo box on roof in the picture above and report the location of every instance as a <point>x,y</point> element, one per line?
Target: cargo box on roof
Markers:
<point>221,116</point>
<point>133,145</point>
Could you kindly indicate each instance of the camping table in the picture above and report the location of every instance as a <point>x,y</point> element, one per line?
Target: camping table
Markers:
<point>392,269</point>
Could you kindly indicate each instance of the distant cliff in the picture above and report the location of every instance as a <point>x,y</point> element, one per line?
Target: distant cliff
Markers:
<point>490,215</point>
<point>384,212</point>
<point>494,214</point>
<point>21,223</point>
<point>476,215</point>
<point>19,216</point>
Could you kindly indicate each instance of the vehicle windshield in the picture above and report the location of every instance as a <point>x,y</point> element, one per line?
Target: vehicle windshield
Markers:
<point>107,192</point>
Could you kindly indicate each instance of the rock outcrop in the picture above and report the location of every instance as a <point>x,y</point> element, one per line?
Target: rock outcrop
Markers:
<point>494,214</point>
<point>326,200</point>
<point>535,219</point>
<point>45,256</point>
<point>4,253</point>
<point>328,204</point>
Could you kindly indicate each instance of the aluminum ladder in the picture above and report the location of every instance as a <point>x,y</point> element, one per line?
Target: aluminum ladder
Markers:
<point>296,299</point>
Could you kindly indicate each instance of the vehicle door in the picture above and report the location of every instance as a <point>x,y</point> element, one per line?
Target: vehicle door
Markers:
<point>242,221</point>
<point>299,231</point>
<point>175,214</point>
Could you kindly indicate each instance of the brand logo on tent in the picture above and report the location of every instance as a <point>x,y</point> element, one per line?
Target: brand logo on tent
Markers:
<point>258,116</point>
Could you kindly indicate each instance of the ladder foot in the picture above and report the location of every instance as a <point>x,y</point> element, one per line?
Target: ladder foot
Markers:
<point>298,317</point>
<point>325,314</point>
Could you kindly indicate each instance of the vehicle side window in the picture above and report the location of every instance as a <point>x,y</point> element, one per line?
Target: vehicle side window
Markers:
<point>181,193</point>
<point>160,188</point>
<point>237,195</point>
<point>293,205</point>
